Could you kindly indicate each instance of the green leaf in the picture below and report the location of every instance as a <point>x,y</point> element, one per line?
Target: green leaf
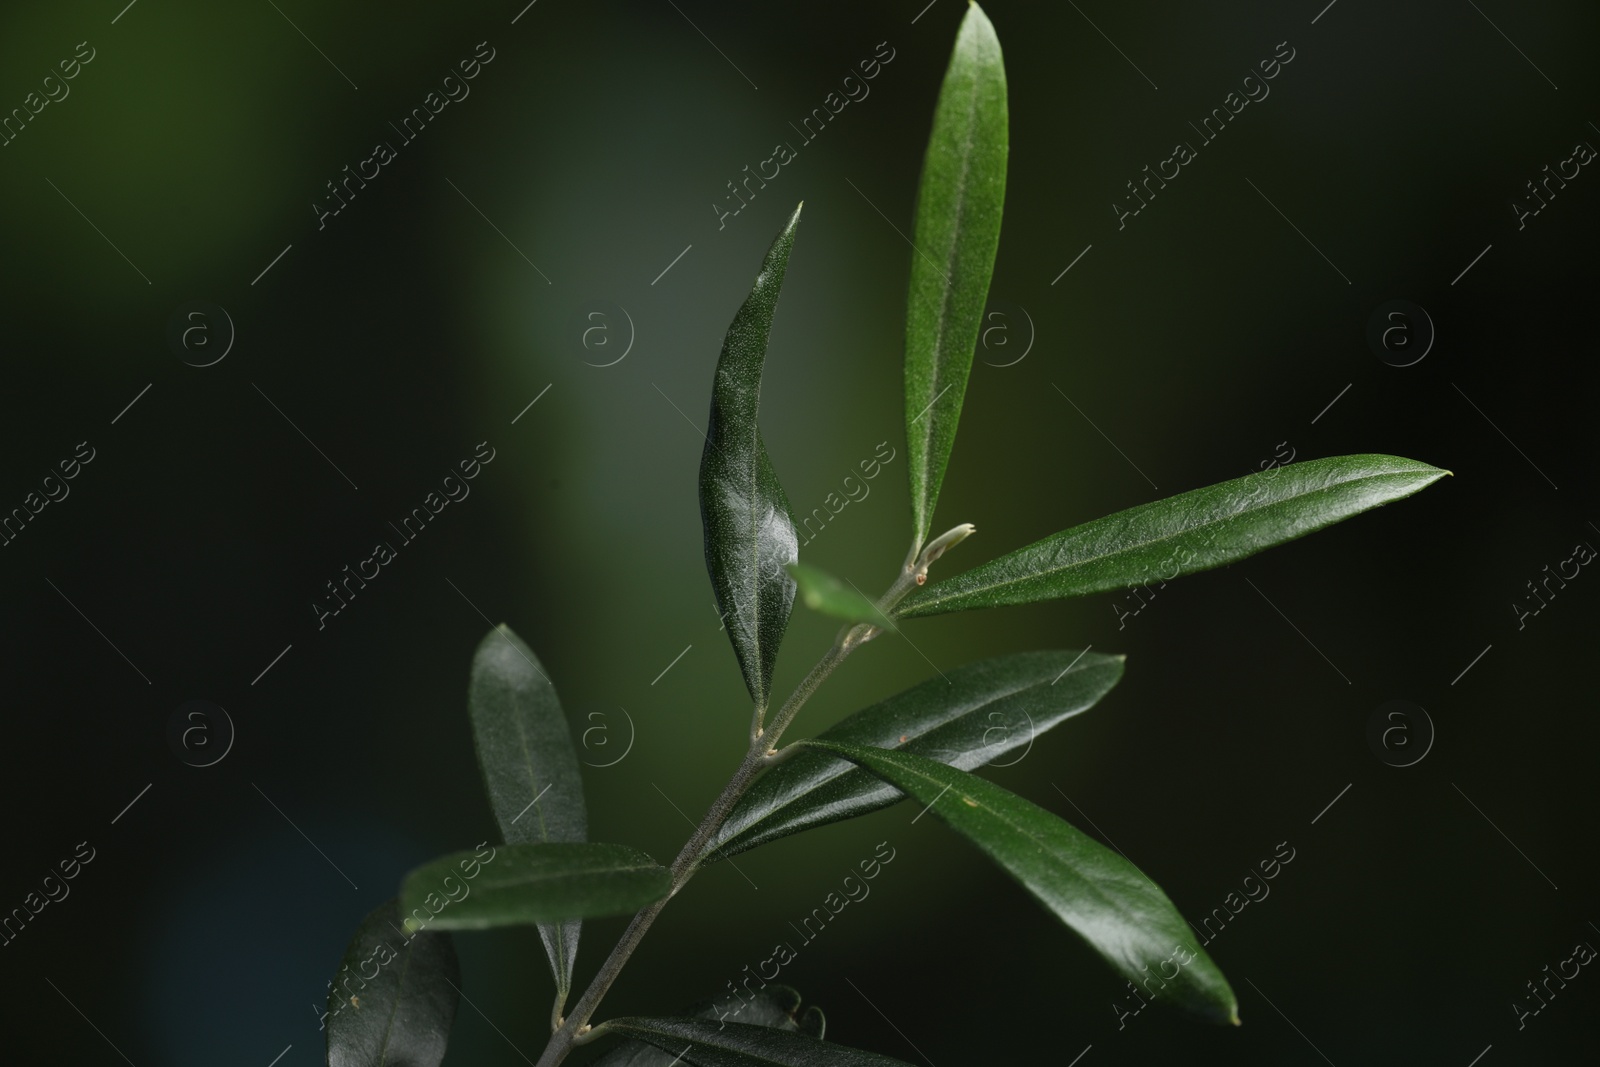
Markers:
<point>1102,897</point>
<point>703,1043</point>
<point>524,884</point>
<point>976,714</point>
<point>529,765</point>
<point>1190,532</point>
<point>823,592</point>
<point>394,998</point>
<point>959,204</point>
<point>749,531</point>
<point>774,1005</point>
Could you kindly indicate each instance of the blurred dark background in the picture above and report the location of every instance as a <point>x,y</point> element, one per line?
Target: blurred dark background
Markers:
<point>1204,339</point>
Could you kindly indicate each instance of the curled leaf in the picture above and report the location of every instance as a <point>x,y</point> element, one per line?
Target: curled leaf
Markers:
<point>749,531</point>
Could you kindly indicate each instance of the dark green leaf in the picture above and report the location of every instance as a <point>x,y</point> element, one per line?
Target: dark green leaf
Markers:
<point>1193,531</point>
<point>1101,896</point>
<point>773,1005</point>
<point>394,998</point>
<point>984,711</point>
<point>703,1043</point>
<point>525,884</point>
<point>823,592</point>
<point>749,531</point>
<point>959,205</point>
<point>530,769</point>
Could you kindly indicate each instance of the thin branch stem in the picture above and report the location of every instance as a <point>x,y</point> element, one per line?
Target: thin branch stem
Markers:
<point>761,754</point>
<point>683,869</point>
<point>688,861</point>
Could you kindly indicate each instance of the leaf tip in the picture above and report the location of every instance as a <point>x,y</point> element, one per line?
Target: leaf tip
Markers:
<point>975,13</point>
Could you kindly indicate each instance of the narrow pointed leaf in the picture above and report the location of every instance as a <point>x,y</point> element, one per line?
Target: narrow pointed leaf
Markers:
<point>529,765</point>
<point>824,593</point>
<point>526,884</point>
<point>749,531</point>
<point>1102,897</point>
<point>777,1006</point>
<point>957,233</point>
<point>1191,532</point>
<point>395,996</point>
<point>705,1043</point>
<point>985,712</point>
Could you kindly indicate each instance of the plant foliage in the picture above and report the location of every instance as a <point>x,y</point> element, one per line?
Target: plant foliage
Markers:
<point>925,743</point>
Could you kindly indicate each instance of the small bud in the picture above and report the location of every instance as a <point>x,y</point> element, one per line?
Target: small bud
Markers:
<point>939,545</point>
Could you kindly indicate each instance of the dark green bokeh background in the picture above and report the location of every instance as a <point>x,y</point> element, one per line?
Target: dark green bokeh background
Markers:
<point>408,330</point>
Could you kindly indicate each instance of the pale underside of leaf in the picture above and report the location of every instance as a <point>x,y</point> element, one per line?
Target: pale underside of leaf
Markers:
<point>529,766</point>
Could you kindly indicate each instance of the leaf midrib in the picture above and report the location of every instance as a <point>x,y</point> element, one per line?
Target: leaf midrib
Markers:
<point>533,777</point>
<point>394,1007</point>
<point>535,878</point>
<point>563,960</point>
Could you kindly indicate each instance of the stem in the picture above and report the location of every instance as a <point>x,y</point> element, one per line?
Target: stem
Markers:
<point>761,754</point>
<point>688,861</point>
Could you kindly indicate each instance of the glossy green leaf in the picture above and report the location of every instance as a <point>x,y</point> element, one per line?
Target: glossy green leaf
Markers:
<point>1102,897</point>
<point>526,884</point>
<point>395,996</point>
<point>957,233</point>
<point>704,1043</point>
<point>1193,531</point>
<point>988,712</point>
<point>824,593</point>
<point>776,1006</point>
<point>749,530</point>
<point>529,765</point>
